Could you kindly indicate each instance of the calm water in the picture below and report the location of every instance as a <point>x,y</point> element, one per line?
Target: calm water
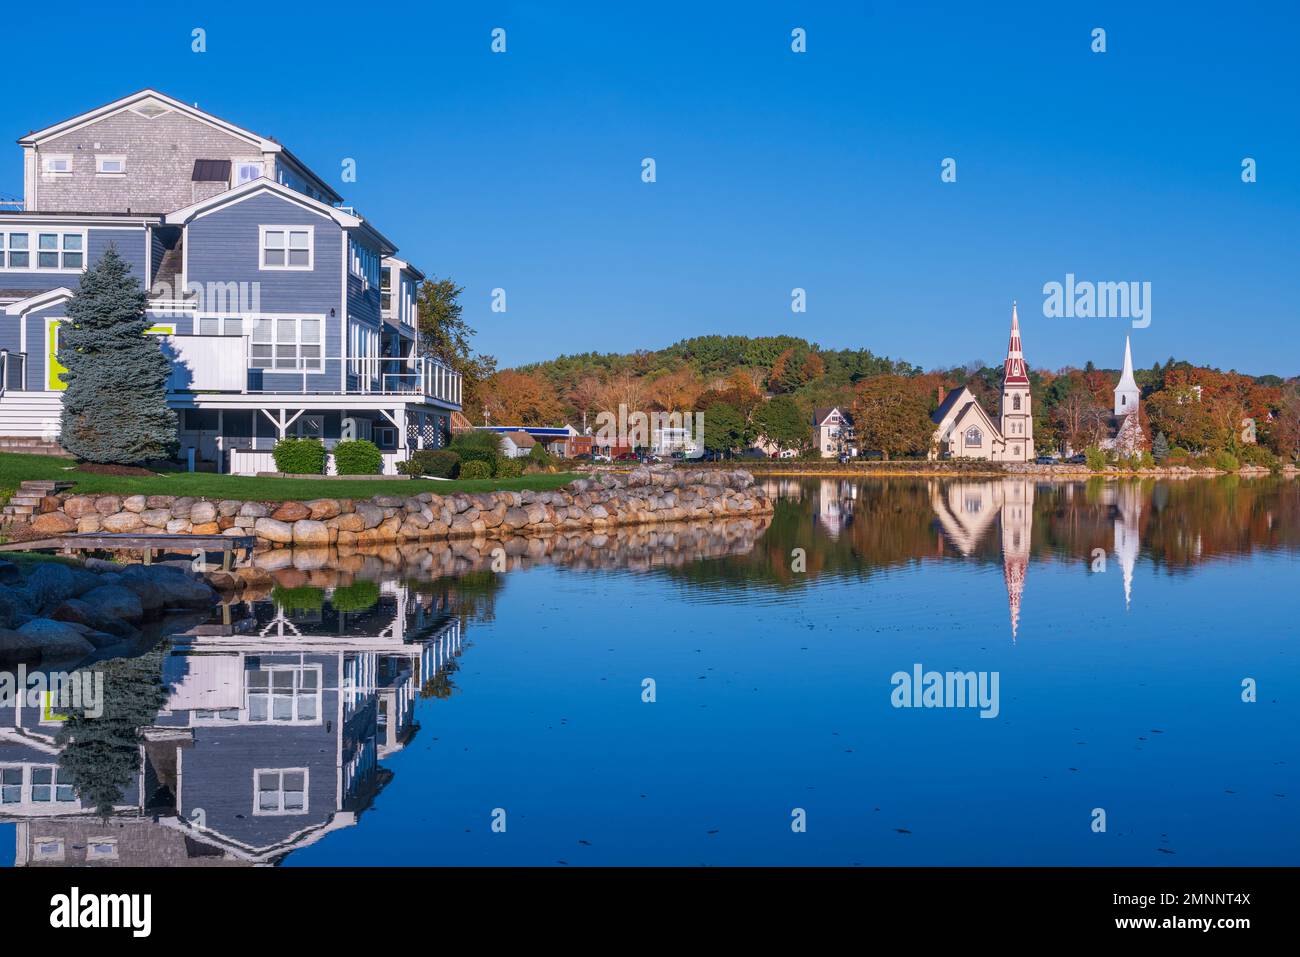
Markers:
<point>389,708</point>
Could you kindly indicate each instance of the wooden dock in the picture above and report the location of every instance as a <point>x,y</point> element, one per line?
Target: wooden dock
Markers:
<point>150,545</point>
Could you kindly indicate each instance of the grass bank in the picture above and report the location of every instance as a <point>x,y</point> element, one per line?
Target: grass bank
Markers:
<point>15,469</point>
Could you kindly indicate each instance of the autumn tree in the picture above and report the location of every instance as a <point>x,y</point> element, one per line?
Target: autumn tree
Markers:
<point>780,422</point>
<point>511,397</point>
<point>892,415</point>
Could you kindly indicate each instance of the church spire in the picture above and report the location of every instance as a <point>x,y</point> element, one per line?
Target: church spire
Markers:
<point>1015,371</point>
<point>1127,392</point>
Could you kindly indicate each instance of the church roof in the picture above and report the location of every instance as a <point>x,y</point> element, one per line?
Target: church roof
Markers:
<point>950,400</point>
<point>1126,381</point>
<point>1015,371</point>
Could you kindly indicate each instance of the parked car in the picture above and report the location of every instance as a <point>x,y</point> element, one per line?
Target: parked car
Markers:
<point>627,457</point>
<point>598,457</point>
<point>584,457</point>
<point>752,453</point>
<point>1080,459</point>
<point>789,453</point>
<point>1046,460</point>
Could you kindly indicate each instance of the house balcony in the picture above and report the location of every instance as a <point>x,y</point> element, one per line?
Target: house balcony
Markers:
<point>225,364</point>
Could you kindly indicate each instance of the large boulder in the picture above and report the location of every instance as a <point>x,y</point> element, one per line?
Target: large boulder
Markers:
<point>178,587</point>
<point>156,517</point>
<point>371,515</point>
<point>16,646</point>
<point>135,503</point>
<point>77,506</point>
<point>56,639</point>
<point>122,522</point>
<point>324,508</point>
<point>115,601</point>
<point>308,532</point>
<point>273,530</point>
<point>291,512</point>
<point>202,512</point>
<point>53,523</point>
<point>51,582</point>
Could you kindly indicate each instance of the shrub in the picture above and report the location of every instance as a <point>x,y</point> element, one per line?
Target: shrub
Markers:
<point>1096,458</point>
<point>440,463</point>
<point>1146,461</point>
<point>510,468</point>
<point>539,454</point>
<point>358,596</point>
<point>1225,461</point>
<point>478,447</point>
<point>475,469</point>
<point>304,598</point>
<point>358,457</point>
<point>299,456</point>
<point>1259,456</point>
<point>1178,456</point>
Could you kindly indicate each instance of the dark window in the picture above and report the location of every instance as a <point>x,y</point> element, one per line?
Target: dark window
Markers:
<point>211,171</point>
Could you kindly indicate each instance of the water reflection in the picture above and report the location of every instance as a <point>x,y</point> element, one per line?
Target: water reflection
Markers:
<point>275,724</point>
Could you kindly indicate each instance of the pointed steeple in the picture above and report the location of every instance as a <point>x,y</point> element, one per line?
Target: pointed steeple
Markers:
<point>1127,393</point>
<point>1015,371</point>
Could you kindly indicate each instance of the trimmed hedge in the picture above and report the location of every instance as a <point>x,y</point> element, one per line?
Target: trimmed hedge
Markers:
<point>440,463</point>
<point>299,456</point>
<point>475,469</point>
<point>358,457</point>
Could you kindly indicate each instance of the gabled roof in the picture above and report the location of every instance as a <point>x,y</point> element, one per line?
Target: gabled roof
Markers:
<point>521,439</point>
<point>152,98</point>
<point>948,402</point>
<point>38,301</point>
<point>821,415</point>
<point>404,266</point>
<point>264,185</point>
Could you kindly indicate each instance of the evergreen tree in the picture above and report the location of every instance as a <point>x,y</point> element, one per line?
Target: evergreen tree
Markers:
<point>115,407</point>
<point>1160,447</point>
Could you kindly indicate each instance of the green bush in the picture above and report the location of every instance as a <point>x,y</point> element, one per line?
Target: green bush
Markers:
<point>478,446</point>
<point>440,463</point>
<point>304,598</point>
<point>1225,461</point>
<point>510,468</point>
<point>299,456</point>
<point>539,454</point>
<point>358,457</point>
<point>1096,458</point>
<point>358,596</point>
<point>1259,456</point>
<point>1146,461</point>
<point>475,469</point>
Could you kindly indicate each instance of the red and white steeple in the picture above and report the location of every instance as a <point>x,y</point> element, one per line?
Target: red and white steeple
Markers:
<point>1016,371</point>
<point>1017,419</point>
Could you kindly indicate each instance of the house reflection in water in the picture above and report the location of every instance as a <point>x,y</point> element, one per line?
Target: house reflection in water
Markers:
<point>835,501</point>
<point>967,510</point>
<point>271,737</point>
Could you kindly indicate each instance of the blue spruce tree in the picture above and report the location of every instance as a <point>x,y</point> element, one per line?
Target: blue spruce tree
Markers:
<point>115,407</point>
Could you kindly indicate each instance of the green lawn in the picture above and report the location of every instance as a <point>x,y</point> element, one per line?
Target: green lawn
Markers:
<point>18,468</point>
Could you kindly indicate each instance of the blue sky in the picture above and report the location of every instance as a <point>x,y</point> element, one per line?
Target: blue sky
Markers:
<point>775,170</point>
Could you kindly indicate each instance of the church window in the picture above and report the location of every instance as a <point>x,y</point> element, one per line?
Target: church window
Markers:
<point>1015,403</point>
<point>974,436</point>
<point>1123,400</point>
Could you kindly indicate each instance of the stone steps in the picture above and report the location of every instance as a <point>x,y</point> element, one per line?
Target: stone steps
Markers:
<point>25,502</point>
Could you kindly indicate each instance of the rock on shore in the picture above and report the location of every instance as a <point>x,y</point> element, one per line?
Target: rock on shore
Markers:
<point>643,496</point>
<point>57,611</point>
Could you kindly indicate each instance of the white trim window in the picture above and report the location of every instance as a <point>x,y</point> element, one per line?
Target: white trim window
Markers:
<point>286,343</point>
<point>15,251</point>
<point>974,437</point>
<point>42,784</point>
<point>280,791</point>
<point>53,250</point>
<point>246,170</point>
<point>57,164</point>
<point>221,326</point>
<point>283,694</point>
<point>110,165</point>
<point>364,263</point>
<point>286,247</point>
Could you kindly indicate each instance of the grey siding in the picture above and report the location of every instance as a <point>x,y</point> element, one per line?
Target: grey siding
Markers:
<point>223,247</point>
<point>160,155</point>
<point>130,242</point>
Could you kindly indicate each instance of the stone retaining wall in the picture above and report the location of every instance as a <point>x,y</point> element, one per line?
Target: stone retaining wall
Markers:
<point>646,495</point>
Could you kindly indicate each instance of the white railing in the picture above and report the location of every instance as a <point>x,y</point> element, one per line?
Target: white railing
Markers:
<point>223,364</point>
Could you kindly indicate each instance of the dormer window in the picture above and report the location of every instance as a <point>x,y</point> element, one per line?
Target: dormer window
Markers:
<point>248,170</point>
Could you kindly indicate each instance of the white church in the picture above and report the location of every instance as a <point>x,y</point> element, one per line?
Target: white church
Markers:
<point>964,430</point>
<point>1124,432</point>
